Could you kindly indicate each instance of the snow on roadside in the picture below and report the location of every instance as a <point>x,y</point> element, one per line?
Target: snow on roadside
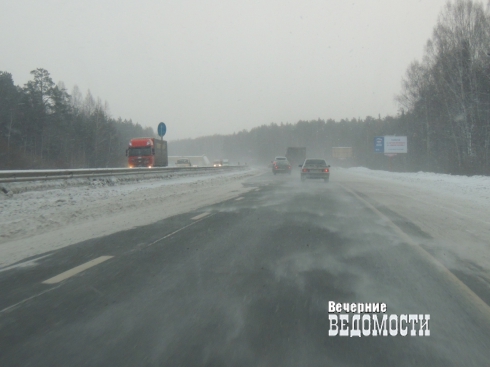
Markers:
<point>454,211</point>
<point>474,188</point>
<point>106,180</point>
<point>35,222</point>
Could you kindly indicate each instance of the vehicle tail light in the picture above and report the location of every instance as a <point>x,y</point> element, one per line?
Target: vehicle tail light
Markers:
<point>325,170</point>
<point>305,170</point>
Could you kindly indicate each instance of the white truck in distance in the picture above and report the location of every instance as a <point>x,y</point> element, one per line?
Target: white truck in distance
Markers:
<point>196,161</point>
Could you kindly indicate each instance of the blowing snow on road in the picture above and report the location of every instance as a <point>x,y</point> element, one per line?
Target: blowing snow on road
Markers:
<point>243,269</point>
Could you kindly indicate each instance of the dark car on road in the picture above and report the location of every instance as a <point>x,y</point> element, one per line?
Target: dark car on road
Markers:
<point>315,168</point>
<point>281,165</point>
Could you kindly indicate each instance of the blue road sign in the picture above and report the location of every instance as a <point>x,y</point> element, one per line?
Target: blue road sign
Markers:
<point>379,144</point>
<point>162,129</point>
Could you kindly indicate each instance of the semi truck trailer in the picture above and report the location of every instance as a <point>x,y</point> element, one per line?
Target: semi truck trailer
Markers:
<point>296,155</point>
<point>147,152</point>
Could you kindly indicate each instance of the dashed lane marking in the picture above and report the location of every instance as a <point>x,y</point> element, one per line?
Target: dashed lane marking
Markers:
<point>240,198</point>
<point>202,215</point>
<point>178,230</point>
<point>58,278</point>
<point>77,269</point>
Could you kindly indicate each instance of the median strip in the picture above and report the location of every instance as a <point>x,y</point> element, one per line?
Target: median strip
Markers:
<point>78,269</point>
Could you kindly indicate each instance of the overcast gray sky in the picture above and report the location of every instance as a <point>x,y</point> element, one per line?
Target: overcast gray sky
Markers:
<point>221,66</point>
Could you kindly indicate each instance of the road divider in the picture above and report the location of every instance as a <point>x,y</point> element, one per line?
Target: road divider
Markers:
<point>43,175</point>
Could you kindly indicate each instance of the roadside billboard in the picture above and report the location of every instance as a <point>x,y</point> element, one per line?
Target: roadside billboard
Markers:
<point>390,144</point>
<point>379,144</point>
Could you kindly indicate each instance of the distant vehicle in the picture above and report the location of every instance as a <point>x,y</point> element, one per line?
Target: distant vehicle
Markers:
<point>183,162</point>
<point>296,155</point>
<point>281,165</point>
<point>147,152</point>
<point>315,168</point>
<point>225,162</point>
<point>196,160</point>
<point>217,163</point>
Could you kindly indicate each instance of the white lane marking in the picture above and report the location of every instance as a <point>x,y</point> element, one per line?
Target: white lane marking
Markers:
<point>474,299</point>
<point>108,257</point>
<point>202,215</point>
<point>240,198</point>
<point>178,230</point>
<point>77,269</point>
<point>28,299</point>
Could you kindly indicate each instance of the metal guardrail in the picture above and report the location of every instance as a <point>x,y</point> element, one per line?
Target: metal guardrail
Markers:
<point>43,175</point>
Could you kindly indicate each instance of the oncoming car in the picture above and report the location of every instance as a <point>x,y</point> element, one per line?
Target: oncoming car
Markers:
<point>315,168</point>
<point>217,163</point>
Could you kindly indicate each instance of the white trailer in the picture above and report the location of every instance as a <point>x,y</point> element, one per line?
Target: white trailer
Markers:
<point>196,161</point>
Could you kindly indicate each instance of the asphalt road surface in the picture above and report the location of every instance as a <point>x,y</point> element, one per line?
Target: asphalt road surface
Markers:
<point>245,282</point>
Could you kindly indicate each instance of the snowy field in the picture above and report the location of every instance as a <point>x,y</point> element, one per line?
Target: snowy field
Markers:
<point>56,215</point>
<point>452,211</point>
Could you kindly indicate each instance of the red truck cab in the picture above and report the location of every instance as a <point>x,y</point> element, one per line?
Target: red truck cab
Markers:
<point>147,152</point>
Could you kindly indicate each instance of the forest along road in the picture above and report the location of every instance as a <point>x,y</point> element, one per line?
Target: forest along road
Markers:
<point>246,282</point>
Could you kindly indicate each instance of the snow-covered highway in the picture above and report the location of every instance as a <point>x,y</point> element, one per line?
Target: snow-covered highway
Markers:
<point>240,269</point>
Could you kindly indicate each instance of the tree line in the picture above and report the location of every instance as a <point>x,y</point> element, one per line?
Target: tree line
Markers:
<point>261,144</point>
<point>448,91</point>
<point>444,110</point>
<point>42,126</point>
